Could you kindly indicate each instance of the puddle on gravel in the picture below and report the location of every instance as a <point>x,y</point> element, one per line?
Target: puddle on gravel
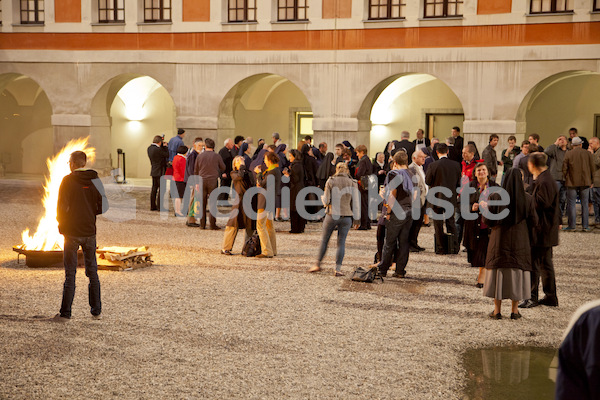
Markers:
<point>512,372</point>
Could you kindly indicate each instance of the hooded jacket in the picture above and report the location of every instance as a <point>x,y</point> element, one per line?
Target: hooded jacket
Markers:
<point>80,198</point>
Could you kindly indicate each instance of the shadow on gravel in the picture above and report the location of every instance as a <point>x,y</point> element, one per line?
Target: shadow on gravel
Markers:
<point>19,318</point>
<point>405,309</point>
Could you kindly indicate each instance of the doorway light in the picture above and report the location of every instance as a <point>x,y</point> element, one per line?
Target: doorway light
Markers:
<point>134,95</point>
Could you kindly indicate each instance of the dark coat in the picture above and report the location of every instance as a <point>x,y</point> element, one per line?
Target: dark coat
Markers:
<point>491,160</point>
<point>427,142</point>
<point>455,154</point>
<point>444,172</point>
<point>509,245</point>
<point>227,156</point>
<point>578,168</point>
<point>545,196</point>
<point>241,182</point>
<point>459,143</point>
<point>377,168</point>
<point>310,167</point>
<point>262,179</point>
<point>364,168</point>
<point>471,228</point>
<point>296,181</point>
<point>158,156</point>
<point>409,147</point>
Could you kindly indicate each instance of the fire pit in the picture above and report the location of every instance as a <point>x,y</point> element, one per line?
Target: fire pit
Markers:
<point>44,258</point>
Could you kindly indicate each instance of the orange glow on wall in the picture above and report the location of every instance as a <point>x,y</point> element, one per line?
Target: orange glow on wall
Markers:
<point>67,10</point>
<point>337,9</point>
<point>196,10</point>
<point>494,6</point>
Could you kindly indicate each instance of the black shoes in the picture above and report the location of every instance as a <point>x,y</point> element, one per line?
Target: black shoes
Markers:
<point>192,224</point>
<point>549,301</point>
<point>515,316</point>
<point>215,228</point>
<point>528,304</point>
<point>400,275</point>
<point>479,285</point>
<point>495,316</point>
<point>415,248</point>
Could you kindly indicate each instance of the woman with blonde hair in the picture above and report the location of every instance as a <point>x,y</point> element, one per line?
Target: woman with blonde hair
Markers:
<point>241,182</point>
<point>342,202</point>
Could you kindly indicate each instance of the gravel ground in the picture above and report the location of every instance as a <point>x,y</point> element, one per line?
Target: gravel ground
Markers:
<point>201,325</point>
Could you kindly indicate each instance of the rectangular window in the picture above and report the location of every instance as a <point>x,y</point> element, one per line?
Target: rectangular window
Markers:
<point>443,8</point>
<point>111,11</point>
<point>157,10</point>
<point>242,11</point>
<point>32,11</point>
<point>0,12</point>
<point>386,9</point>
<point>596,5</point>
<point>292,10</point>
<point>551,6</point>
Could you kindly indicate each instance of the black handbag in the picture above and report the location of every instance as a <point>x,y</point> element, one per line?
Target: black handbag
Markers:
<point>252,246</point>
<point>367,275</point>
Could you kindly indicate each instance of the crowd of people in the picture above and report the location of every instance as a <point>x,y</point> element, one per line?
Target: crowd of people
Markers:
<point>510,254</point>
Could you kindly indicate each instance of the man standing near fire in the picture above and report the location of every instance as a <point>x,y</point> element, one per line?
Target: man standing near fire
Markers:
<point>80,199</point>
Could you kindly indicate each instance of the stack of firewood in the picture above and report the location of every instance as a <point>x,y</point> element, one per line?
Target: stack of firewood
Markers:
<point>123,258</point>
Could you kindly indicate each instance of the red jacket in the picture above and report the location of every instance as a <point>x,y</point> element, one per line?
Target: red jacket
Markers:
<point>467,170</point>
<point>179,168</point>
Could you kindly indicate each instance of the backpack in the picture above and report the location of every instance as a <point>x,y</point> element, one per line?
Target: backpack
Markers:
<point>252,246</point>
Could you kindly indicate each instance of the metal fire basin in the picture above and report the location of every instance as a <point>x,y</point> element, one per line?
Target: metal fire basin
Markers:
<point>44,258</point>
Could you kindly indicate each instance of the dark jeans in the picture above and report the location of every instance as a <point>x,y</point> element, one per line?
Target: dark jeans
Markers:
<point>343,225</point>
<point>208,185</point>
<point>439,232</point>
<point>542,267</point>
<point>584,196</point>
<point>562,196</point>
<point>88,245</point>
<point>396,234</point>
<point>155,193</point>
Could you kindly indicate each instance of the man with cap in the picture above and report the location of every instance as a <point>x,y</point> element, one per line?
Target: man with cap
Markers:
<point>578,169</point>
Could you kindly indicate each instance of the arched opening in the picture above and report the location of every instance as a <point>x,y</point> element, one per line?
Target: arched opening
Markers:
<point>26,131</point>
<point>409,102</point>
<point>127,112</point>
<point>263,104</point>
<point>559,102</point>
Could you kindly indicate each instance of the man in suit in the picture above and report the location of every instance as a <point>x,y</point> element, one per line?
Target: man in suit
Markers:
<point>545,234</point>
<point>158,154</point>
<point>421,142</point>
<point>444,173</point>
<point>364,169</point>
<point>408,146</point>
<point>227,154</point>
<point>459,141</point>
<point>454,153</point>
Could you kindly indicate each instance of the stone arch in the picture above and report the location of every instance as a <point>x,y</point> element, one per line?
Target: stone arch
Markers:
<point>113,128</point>
<point>422,112</point>
<point>25,125</point>
<point>259,105</point>
<point>558,102</point>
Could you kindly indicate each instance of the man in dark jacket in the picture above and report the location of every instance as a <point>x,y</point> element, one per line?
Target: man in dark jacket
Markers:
<point>578,170</point>
<point>270,180</point>
<point>363,171</point>
<point>454,153</point>
<point>80,199</point>
<point>209,166</point>
<point>227,153</point>
<point>408,146</point>
<point>444,173</point>
<point>545,233</point>
<point>190,164</point>
<point>158,154</point>
<point>490,157</point>
<point>459,141</point>
<point>556,155</point>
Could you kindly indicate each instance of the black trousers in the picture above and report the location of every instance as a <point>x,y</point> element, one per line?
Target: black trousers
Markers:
<point>438,225</point>
<point>297,223</point>
<point>396,236</point>
<point>155,193</point>
<point>208,185</point>
<point>541,260</point>
<point>225,182</point>
<point>365,223</point>
<point>415,228</point>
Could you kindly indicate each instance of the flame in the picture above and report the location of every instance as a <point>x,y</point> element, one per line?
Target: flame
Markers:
<point>46,237</point>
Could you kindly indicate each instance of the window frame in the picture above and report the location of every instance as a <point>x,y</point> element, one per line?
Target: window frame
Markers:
<point>37,12</point>
<point>161,9</point>
<point>246,9</point>
<point>114,11</point>
<point>596,6</point>
<point>445,4</point>
<point>389,6</point>
<point>552,8</point>
<point>295,7</point>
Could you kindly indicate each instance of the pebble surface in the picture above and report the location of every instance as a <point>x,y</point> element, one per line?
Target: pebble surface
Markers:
<point>198,324</point>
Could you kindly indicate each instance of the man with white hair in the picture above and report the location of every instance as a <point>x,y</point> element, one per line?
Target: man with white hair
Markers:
<point>227,156</point>
<point>418,178</point>
<point>276,140</point>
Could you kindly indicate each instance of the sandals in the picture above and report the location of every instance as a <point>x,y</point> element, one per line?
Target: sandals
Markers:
<point>495,316</point>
